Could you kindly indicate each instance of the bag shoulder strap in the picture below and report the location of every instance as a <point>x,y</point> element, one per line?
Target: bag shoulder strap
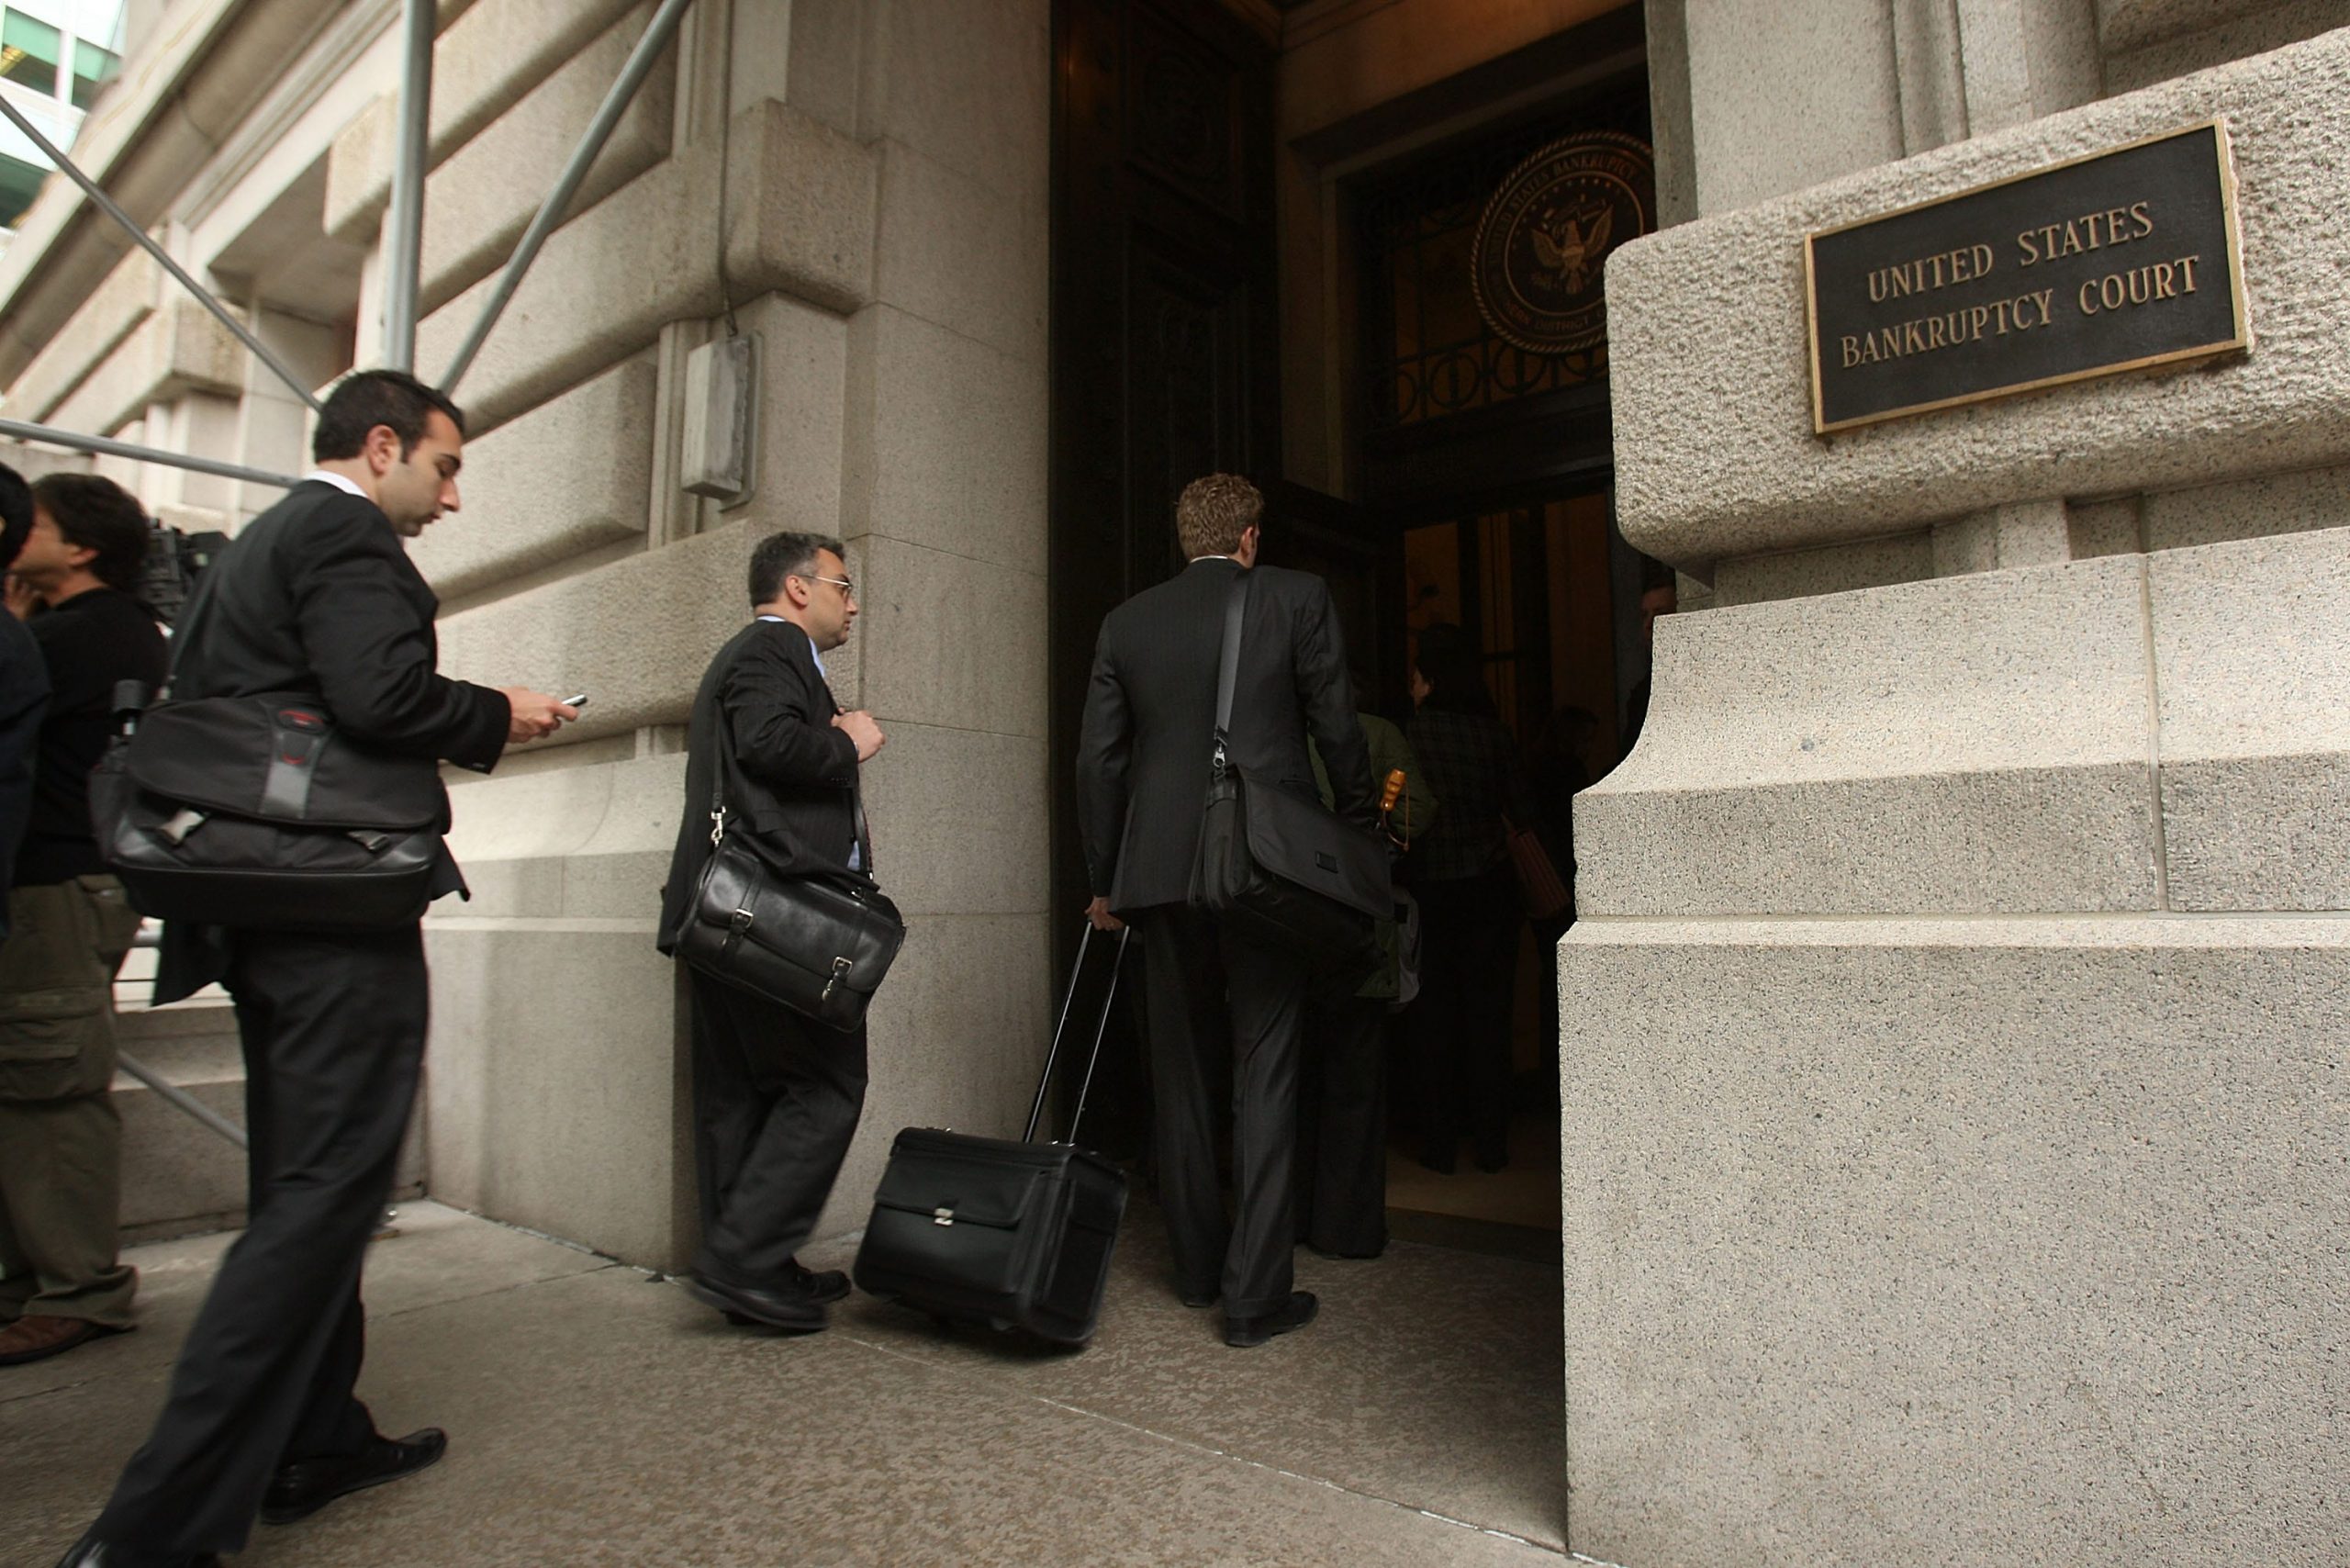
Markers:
<point>1227,671</point>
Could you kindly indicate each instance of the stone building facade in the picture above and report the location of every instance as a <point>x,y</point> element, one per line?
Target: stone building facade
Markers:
<point>1953,1041</point>
<point>1954,1146</point>
<point>867,187</point>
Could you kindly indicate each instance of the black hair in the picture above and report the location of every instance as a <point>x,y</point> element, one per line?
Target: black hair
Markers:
<point>15,514</point>
<point>781,556</point>
<point>1454,671</point>
<point>370,397</point>
<point>95,513</point>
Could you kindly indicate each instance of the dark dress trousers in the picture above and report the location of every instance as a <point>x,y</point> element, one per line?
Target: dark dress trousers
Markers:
<point>318,596</point>
<point>1143,767</point>
<point>1470,914</point>
<point>775,1097</point>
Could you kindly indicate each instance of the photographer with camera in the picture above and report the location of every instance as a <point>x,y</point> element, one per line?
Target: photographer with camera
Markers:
<point>61,1138</point>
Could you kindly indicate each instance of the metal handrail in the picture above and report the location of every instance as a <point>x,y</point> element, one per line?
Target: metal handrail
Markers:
<point>107,446</point>
<point>182,1098</point>
<point>567,186</point>
<point>147,242</point>
<point>149,936</point>
<point>405,220</point>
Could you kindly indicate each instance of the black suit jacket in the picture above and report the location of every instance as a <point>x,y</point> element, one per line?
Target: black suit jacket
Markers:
<point>791,777</point>
<point>318,596</point>
<point>1142,757</point>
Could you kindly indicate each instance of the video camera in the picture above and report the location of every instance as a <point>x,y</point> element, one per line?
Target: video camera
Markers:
<point>175,563</point>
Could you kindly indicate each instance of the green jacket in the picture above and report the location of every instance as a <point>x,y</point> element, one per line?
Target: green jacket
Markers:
<point>1414,810</point>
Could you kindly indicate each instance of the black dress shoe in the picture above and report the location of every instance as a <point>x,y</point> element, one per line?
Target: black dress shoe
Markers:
<point>303,1487</point>
<point>822,1287</point>
<point>88,1552</point>
<point>791,1309</point>
<point>1242,1333</point>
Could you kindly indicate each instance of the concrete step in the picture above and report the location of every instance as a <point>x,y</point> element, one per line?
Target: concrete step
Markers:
<point>180,1177</point>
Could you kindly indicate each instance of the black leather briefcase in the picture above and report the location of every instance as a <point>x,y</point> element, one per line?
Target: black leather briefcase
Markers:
<point>821,946</point>
<point>1280,867</point>
<point>1015,1236</point>
<point>818,945</point>
<point>255,812</point>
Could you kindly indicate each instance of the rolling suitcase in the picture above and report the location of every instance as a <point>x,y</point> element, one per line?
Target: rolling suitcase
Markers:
<point>986,1231</point>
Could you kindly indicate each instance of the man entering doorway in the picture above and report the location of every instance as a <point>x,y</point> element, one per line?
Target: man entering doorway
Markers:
<point>1142,781</point>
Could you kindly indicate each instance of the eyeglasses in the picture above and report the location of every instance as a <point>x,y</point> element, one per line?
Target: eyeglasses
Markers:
<point>848,588</point>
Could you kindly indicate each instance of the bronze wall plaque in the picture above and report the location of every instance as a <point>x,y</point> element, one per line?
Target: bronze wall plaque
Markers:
<point>1539,244</point>
<point>2109,262</point>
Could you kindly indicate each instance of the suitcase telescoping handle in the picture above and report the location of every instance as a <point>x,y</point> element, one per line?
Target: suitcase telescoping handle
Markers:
<point>1101,1026</point>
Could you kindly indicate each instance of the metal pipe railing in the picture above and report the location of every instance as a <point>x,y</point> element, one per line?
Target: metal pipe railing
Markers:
<point>107,446</point>
<point>150,935</point>
<point>105,203</point>
<point>607,117</point>
<point>404,225</point>
<point>182,1098</point>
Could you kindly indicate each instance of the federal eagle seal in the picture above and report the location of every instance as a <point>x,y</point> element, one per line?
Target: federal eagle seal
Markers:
<point>1535,266</point>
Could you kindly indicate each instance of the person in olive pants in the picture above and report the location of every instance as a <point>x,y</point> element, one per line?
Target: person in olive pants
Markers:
<point>60,1137</point>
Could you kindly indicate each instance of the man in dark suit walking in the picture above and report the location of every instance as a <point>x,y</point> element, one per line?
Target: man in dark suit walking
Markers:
<point>1143,767</point>
<point>317,597</point>
<point>775,1096</point>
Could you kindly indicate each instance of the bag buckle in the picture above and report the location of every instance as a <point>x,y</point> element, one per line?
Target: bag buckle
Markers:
<point>185,821</point>
<point>717,828</point>
<point>942,1216</point>
<point>840,968</point>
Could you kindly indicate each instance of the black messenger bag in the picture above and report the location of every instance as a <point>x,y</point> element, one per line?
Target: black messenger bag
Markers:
<point>1279,867</point>
<point>1013,1235</point>
<point>254,812</point>
<point>818,945</point>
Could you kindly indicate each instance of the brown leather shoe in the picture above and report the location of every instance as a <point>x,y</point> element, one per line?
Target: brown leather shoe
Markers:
<point>36,1338</point>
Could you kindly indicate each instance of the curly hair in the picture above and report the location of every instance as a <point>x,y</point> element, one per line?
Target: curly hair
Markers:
<point>1213,512</point>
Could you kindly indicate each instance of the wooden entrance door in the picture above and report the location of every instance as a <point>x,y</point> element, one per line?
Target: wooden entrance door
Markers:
<point>1164,358</point>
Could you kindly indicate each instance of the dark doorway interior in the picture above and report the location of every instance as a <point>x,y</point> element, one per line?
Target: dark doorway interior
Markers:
<point>1478,474</point>
<point>1490,469</point>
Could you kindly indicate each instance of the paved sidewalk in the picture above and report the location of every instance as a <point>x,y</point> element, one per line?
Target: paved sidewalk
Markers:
<point>600,1415</point>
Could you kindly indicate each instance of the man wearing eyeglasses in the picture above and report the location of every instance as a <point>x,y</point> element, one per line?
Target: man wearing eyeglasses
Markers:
<point>775,1097</point>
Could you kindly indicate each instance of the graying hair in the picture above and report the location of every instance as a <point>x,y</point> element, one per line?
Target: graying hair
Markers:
<point>781,556</point>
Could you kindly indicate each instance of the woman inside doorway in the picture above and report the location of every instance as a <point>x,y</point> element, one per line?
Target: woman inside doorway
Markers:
<point>1460,1029</point>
